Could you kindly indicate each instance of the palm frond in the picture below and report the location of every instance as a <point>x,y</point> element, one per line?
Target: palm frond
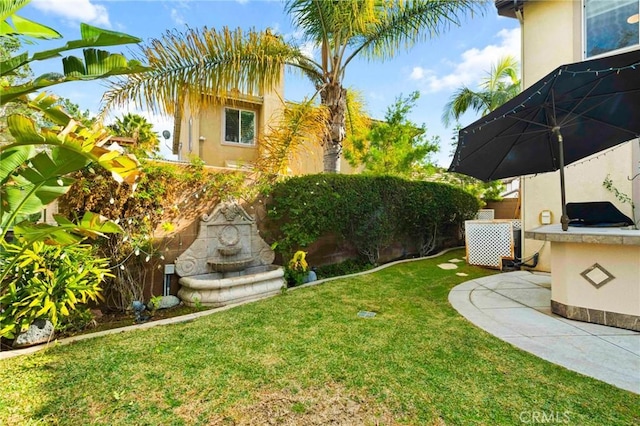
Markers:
<point>301,127</point>
<point>332,25</point>
<point>403,23</point>
<point>462,100</point>
<point>186,65</point>
<point>504,72</point>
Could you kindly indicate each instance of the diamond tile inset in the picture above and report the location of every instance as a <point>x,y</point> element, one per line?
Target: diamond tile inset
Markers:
<point>597,275</point>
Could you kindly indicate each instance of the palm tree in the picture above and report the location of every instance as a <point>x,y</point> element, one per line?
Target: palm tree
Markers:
<point>141,130</point>
<point>186,65</point>
<point>501,84</point>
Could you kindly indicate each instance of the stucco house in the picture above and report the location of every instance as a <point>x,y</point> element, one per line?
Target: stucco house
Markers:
<point>228,135</point>
<point>559,32</point>
<point>595,272</point>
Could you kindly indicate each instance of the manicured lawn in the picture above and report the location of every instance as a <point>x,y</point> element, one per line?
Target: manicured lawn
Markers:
<point>307,358</point>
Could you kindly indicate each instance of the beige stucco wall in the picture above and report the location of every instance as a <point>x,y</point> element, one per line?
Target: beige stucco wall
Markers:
<point>309,161</point>
<point>621,295</point>
<point>215,152</point>
<point>552,36</point>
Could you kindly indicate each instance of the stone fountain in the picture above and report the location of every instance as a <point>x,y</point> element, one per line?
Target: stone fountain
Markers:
<point>228,262</point>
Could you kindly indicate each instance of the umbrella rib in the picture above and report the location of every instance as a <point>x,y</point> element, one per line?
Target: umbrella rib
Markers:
<point>594,87</point>
<point>596,120</point>
<point>502,135</point>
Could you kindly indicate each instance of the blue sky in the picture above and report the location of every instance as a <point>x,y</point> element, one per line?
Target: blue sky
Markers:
<point>460,56</point>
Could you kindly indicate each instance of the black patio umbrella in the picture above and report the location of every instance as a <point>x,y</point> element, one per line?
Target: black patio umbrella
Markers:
<point>577,110</point>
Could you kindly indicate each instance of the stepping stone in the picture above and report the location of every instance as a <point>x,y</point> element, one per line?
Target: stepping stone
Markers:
<point>447,266</point>
<point>462,274</point>
<point>455,260</point>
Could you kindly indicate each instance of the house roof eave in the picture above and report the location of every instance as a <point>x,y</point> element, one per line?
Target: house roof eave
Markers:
<point>508,8</point>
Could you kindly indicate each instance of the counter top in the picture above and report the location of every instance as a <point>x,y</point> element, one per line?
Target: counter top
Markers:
<point>576,234</point>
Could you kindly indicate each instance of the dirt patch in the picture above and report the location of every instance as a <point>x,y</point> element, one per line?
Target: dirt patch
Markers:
<point>332,405</point>
<point>112,320</point>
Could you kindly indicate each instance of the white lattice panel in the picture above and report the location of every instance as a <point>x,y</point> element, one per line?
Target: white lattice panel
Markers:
<point>517,224</point>
<point>488,242</point>
<point>485,214</point>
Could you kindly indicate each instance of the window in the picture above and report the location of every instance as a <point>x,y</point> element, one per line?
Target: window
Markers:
<point>239,126</point>
<point>610,25</point>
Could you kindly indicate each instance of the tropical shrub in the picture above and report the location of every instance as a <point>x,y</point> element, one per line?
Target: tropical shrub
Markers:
<point>36,162</point>
<point>369,212</point>
<point>166,194</point>
<point>47,282</point>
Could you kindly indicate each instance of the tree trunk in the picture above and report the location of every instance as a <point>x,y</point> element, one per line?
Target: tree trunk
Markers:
<point>334,96</point>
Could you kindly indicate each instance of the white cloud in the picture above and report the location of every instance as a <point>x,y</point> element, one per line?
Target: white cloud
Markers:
<point>177,17</point>
<point>177,9</point>
<point>75,10</point>
<point>308,49</point>
<point>417,73</point>
<point>472,66</point>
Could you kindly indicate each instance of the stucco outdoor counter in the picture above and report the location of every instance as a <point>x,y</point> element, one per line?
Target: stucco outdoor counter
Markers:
<point>595,273</point>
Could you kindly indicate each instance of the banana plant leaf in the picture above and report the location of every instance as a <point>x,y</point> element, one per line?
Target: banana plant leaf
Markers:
<point>91,37</point>
<point>39,183</point>
<point>22,27</point>
<point>46,104</point>
<point>13,158</point>
<point>91,225</point>
<point>76,139</point>
<point>27,28</point>
<point>97,64</point>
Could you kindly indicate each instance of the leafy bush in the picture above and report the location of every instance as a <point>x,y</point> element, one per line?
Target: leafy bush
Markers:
<point>47,282</point>
<point>370,212</point>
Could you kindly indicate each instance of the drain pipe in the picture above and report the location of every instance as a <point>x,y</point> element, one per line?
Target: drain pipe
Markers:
<point>518,11</point>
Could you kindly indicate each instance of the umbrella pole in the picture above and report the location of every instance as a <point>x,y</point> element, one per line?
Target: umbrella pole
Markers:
<point>564,220</point>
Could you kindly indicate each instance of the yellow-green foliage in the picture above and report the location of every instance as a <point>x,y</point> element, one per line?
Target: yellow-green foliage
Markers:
<point>298,262</point>
<point>47,282</point>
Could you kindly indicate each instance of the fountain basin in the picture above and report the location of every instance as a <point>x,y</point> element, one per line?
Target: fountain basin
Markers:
<point>229,265</point>
<point>220,289</point>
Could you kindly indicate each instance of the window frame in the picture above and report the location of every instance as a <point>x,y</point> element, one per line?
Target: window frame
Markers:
<point>585,54</point>
<point>239,141</point>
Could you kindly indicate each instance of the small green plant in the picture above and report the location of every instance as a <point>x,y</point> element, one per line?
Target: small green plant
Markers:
<point>296,270</point>
<point>620,196</point>
<point>47,281</point>
<point>154,303</point>
<point>198,304</point>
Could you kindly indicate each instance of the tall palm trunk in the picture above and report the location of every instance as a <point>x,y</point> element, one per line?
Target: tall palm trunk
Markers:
<point>334,97</point>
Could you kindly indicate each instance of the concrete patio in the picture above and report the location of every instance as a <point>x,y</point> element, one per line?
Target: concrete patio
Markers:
<point>515,307</point>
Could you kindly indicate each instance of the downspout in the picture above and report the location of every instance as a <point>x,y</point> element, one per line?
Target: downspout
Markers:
<point>518,10</point>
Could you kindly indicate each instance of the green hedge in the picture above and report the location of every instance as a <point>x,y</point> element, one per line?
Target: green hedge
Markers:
<point>371,212</point>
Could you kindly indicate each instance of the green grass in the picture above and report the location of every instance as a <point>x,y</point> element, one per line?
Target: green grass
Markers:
<point>305,357</point>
